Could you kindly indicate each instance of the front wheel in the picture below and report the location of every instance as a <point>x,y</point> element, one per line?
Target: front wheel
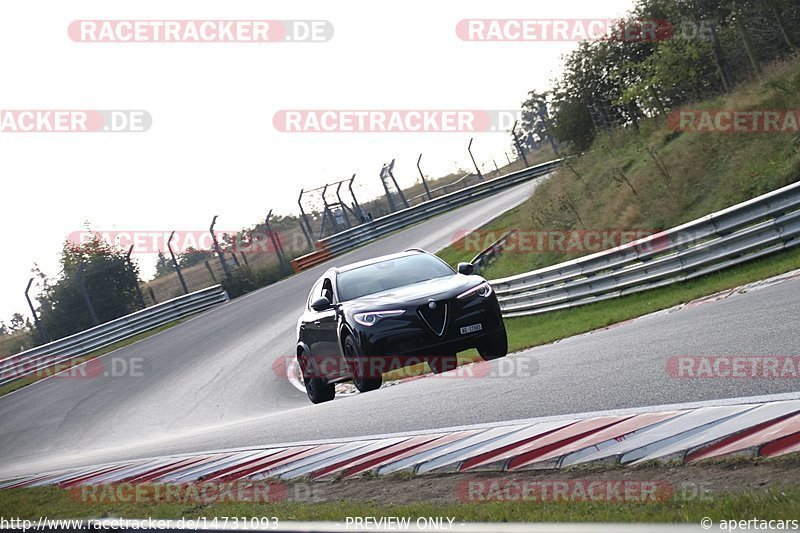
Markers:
<point>318,389</point>
<point>495,346</point>
<point>362,378</point>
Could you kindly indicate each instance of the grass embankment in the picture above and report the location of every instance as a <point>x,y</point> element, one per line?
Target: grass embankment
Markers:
<point>650,180</point>
<point>656,178</point>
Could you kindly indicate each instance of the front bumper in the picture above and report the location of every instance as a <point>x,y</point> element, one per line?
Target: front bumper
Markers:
<point>409,335</point>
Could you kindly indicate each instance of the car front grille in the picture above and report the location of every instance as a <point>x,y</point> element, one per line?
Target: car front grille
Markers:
<point>435,319</point>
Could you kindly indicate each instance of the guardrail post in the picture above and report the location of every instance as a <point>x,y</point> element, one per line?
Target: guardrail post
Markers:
<point>139,294</point>
<point>219,251</point>
<point>85,294</point>
<point>276,244</point>
<point>424,182</point>
<point>305,225</point>
<point>39,326</point>
<point>469,149</point>
<point>175,264</point>
<point>520,149</point>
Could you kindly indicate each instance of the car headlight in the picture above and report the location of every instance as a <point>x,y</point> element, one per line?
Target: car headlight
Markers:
<point>370,318</point>
<point>484,290</point>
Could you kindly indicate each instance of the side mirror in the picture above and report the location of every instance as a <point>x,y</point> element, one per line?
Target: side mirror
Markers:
<point>466,268</point>
<point>321,304</point>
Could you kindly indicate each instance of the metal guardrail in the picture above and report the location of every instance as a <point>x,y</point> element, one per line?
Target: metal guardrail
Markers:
<point>80,344</point>
<point>465,178</point>
<point>488,254</point>
<point>740,233</point>
<point>369,231</point>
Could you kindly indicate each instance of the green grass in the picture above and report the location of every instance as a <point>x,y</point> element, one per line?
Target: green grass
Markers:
<point>525,332</point>
<point>24,382</point>
<point>57,503</point>
<point>649,180</point>
<point>655,178</point>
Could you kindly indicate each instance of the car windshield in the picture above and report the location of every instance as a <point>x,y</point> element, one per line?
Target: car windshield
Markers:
<point>390,274</point>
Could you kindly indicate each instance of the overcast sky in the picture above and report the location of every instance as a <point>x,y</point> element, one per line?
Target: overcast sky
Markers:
<point>212,148</point>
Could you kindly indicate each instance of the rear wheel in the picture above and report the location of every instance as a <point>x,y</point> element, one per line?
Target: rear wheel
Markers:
<point>362,379</point>
<point>318,389</point>
<point>442,363</point>
<point>495,346</point>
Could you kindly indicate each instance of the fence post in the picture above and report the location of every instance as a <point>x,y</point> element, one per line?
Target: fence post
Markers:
<point>210,271</point>
<point>359,212</point>
<point>139,294</point>
<point>175,263</point>
<point>219,251</point>
<point>469,149</point>
<point>343,205</point>
<point>276,244</point>
<point>424,181</point>
<point>39,326</point>
<point>390,169</point>
<point>305,225</point>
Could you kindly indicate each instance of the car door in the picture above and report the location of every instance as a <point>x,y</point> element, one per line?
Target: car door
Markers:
<point>327,323</point>
<point>309,330</point>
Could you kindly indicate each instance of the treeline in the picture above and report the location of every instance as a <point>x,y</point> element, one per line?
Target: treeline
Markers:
<point>703,48</point>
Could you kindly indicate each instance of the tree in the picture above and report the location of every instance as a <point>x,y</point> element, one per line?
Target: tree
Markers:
<point>163,265</point>
<point>109,280</point>
<point>18,323</point>
<point>193,257</point>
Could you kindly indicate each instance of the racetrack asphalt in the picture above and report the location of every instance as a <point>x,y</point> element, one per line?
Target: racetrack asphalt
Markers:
<point>209,383</point>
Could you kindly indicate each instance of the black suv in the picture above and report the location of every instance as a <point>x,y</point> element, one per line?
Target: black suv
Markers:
<point>367,318</point>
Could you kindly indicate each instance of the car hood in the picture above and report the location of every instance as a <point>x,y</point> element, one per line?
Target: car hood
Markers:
<point>438,288</point>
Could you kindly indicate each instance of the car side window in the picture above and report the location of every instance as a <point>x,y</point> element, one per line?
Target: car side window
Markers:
<point>316,292</point>
<point>327,289</point>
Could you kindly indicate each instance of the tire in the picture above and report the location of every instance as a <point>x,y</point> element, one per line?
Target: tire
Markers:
<point>317,388</point>
<point>442,363</point>
<point>495,347</point>
<point>356,361</point>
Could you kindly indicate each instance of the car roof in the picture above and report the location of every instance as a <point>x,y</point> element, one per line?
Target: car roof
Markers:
<point>374,260</point>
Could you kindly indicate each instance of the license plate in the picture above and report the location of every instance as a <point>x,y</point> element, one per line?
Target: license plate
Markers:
<point>471,329</point>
